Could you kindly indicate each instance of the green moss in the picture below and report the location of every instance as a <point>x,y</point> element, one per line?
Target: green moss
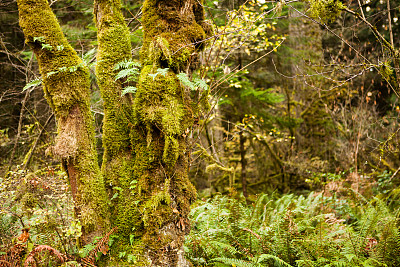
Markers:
<point>158,20</point>
<point>325,10</point>
<point>114,47</point>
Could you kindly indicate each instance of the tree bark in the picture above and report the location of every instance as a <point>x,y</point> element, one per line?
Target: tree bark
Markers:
<point>66,87</point>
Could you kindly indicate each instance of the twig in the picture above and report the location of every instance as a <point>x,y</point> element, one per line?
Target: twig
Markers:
<point>26,165</point>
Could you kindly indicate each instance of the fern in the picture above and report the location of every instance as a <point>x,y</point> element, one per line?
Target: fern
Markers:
<point>293,230</point>
<point>32,84</point>
<point>278,261</point>
<point>159,71</point>
<point>127,73</point>
<point>129,89</point>
<point>128,70</point>
<point>235,262</point>
<point>193,85</point>
<point>127,64</point>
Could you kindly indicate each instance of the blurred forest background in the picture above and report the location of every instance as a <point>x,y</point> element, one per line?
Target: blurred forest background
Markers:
<point>296,164</point>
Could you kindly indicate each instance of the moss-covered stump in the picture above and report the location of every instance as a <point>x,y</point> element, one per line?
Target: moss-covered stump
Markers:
<point>67,89</point>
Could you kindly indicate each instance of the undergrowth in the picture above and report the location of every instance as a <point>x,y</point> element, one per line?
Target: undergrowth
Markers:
<point>290,230</point>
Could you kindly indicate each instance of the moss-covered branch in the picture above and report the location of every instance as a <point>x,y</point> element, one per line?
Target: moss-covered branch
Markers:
<point>67,89</point>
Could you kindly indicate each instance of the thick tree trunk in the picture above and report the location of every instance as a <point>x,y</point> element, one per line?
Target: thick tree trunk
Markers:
<point>164,115</point>
<point>67,89</point>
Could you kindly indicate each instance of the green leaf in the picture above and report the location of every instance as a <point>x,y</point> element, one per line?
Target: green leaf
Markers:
<point>32,84</point>
<point>162,72</point>
<point>128,89</point>
<point>47,46</point>
<point>193,85</point>
<point>39,39</point>
<point>153,75</point>
<point>199,83</point>
<point>184,79</point>
<point>126,64</point>
<point>127,72</point>
<point>114,196</point>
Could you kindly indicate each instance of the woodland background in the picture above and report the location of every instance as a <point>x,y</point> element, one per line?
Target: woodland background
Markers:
<point>296,164</point>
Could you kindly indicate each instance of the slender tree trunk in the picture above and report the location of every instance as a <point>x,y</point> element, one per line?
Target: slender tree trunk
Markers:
<point>66,87</point>
<point>114,47</point>
<point>243,163</point>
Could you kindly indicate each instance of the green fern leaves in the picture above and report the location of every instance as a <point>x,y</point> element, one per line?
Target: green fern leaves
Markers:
<point>129,71</point>
<point>293,231</point>
<point>195,84</point>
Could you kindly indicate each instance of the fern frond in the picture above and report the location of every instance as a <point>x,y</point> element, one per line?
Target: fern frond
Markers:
<point>101,246</point>
<point>235,262</point>
<point>127,72</point>
<point>224,247</point>
<point>32,84</point>
<point>31,260</point>
<point>128,89</point>
<point>277,260</point>
<point>127,64</point>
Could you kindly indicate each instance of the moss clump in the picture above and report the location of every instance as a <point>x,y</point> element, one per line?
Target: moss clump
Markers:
<point>325,10</point>
<point>179,28</point>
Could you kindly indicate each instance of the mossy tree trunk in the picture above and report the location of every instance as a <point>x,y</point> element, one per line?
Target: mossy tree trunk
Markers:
<point>67,89</point>
<point>145,138</point>
<point>148,165</point>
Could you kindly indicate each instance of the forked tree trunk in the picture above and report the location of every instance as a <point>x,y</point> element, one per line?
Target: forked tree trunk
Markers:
<point>148,167</point>
<point>67,89</point>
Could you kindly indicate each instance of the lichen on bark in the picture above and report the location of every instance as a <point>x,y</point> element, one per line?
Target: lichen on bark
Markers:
<point>67,90</point>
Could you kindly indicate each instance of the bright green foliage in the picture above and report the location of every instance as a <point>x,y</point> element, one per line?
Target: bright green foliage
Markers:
<point>193,85</point>
<point>129,70</point>
<point>32,84</point>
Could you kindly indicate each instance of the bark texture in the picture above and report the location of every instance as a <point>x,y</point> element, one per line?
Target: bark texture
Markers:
<point>66,87</point>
